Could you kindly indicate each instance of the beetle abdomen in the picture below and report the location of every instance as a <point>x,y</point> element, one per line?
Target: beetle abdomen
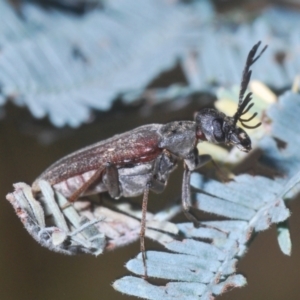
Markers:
<point>71,185</point>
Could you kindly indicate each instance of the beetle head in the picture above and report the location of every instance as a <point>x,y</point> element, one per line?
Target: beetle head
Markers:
<point>216,127</point>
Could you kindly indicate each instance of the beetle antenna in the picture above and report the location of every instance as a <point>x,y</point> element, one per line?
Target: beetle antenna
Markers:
<point>244,101</point>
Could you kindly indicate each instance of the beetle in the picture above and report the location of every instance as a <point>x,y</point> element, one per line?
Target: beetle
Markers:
<point>141,160</point>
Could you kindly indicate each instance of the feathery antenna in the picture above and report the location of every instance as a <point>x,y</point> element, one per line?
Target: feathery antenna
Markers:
<point>244,101</point>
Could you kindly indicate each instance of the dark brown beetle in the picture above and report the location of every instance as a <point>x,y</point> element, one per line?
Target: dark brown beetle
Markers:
<point>134,162</point>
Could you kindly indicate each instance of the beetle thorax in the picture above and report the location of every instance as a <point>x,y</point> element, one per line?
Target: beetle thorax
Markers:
<point>179,137</point>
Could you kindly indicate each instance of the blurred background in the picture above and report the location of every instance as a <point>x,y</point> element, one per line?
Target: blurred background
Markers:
<point>76,72</point>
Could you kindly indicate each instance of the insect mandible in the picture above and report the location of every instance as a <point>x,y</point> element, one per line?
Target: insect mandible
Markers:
<point>141,160</point>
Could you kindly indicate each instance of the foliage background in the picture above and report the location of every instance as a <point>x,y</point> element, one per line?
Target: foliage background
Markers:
<point>29,271</point>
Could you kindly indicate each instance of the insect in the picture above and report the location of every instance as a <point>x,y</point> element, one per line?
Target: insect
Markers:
<point>141,160</point>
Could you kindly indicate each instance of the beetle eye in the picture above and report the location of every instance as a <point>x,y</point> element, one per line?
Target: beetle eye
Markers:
<point>218,130</point>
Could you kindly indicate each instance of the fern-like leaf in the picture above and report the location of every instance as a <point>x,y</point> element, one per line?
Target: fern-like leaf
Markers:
<point>253,202</point>
<point>63,65</point>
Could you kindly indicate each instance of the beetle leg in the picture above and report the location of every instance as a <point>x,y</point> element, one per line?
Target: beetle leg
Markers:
<point>163,166</point>
<point>195,161</point>
<point>191,163</point>
<point>186,197</point>
<point>223,176</point>
<point>143,227</point>
<point>202,160</point>
<point>186,192</point>
<point>157,185</point>
<point>86,185</point>
<point>112,181</point>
